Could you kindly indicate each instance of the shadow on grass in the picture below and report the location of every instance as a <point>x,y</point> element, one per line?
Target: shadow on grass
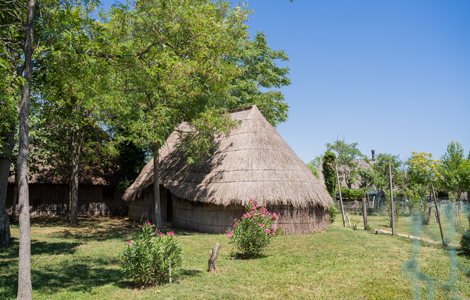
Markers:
<point>37,248</point>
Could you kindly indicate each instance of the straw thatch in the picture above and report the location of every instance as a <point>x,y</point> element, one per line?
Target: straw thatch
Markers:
<point>252,162</point>
<point>361,163</point>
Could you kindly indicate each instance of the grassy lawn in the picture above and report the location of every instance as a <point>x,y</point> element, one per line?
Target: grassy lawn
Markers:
<point>405,225</point>
<point>82,263</point>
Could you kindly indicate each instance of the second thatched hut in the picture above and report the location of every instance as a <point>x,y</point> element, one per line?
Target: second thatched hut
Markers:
<point>253,162</point>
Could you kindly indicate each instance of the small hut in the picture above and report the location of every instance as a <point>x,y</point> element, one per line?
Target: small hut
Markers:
<point>253,162</point>
<point>49,188</point>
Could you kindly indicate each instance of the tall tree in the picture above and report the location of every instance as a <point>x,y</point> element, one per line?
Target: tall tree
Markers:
<point>329,173</point>
<point>69,110</point>
<point>381,172</point>
<point>346,155</point>
<point>422,170</point>
<point>171,66</point>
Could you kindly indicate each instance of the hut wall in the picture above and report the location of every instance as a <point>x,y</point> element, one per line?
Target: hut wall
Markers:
<point>211,218</point>
<point>142,209</point>
<point>53,199</point>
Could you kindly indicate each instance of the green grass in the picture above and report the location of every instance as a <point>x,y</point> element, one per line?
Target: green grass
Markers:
<point>82,263</point>
<point>406,226</point>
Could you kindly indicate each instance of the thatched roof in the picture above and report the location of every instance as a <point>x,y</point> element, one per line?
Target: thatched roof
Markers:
<point>361,163</point>
<point>253,162</point>
<point>89,175</point>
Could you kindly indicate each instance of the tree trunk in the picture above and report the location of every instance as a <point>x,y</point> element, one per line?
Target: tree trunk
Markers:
<point>340,197</point>
<point>392,216</point>
<point>25,290</point>
<point>212,263</point>
<point>15,198</point>
<point>156,190</point>
<point>77,143</point>
<point>364,212</point>
<point>5,162</point>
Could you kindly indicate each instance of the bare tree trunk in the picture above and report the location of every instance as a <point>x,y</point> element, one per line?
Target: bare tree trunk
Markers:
<point>77,143</point>
<point>25,290</point>
<point>156,190</point>
<point>340,198</point>
<point>5,162</point>
<point>391,199</point>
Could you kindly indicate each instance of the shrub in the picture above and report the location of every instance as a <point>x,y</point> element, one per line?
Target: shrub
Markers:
<point>149,256</point>
<point>333,212</point>
<point>254,231</point>
<point>465,242</point>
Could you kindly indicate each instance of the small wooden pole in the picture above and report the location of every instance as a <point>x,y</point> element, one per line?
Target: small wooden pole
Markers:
<point>169,270</point>
<point>230,264</point>
<point>437,214</point>
<point>364,209</point>
<point>212,263</point>
<point>391,198</point>
<point>340,198</point>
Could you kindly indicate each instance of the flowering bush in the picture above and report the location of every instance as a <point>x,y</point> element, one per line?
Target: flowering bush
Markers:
<point>253,232</point>
<point>149,256</point>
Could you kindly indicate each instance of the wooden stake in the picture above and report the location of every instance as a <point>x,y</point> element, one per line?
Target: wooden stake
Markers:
<point>437,214</point>
<point>169,270</point>
<point>230,264</point>
<point>391,198</point>
<point>340,198</point>
<point>364,210</point>
<point>213,259</point>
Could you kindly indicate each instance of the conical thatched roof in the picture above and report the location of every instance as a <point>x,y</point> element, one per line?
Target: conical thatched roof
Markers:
<point>253,162</point>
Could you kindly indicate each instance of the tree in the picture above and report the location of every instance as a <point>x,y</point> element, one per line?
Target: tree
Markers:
<point>171,64</point>
<point>381,173</point>
<point>346,155</point>
<point>314,164</point>
<point>454,169</point>
<point>69,109</point>
<point>422,170</point>
<point>329,172</point>
<point>259,75</point>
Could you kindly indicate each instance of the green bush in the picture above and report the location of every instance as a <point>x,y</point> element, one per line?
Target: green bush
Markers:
<point>333,212</point>
<point>465,242</point>
<point>254,231</point>
<point>149,257</point>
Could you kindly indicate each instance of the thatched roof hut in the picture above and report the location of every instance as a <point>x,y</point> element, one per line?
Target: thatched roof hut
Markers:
<point>253,162</point>
<point>49,190</point>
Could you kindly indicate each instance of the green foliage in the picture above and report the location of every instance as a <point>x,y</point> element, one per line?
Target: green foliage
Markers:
<point>356,194</point>
<point>333,213</point>
<point>346,154</point>
<point>131,161</point>
<point>454,169</point>
<point>259,75</point>
<point>314,164</point>
<point>170,66</point>
<point>329,173</point>
<point>254,231</point>
<point>465,242</point>
<point>149,256</point>
<point>381,171</point>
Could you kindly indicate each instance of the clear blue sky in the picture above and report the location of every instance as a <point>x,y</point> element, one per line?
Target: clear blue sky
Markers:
<point>393,76</point>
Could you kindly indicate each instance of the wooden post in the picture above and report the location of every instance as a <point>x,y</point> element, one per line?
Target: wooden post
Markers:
<point>340,198</point>
<point>391,198</point>
<point>213,259</point>
<point>437,214</point>
<point>169,269</point>
<point>364,210</point>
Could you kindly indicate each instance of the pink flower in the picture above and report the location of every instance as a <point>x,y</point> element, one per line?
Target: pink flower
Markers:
<point>234,225</point>
<point>261,225</point>
<point>262,215</point>
<point>280,226</point>
<point>129,242</point>
<point>148,223</point>
<point>170,233</point>
<point>161,234</point>
<point>267,230</point>
<point>230,234</point>
<point>273,230</point>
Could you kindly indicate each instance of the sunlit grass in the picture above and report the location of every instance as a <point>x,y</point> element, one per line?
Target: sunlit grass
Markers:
<point>82,263</point>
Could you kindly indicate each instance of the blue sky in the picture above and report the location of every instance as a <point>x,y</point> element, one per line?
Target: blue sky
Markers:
<point>393,76</point>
